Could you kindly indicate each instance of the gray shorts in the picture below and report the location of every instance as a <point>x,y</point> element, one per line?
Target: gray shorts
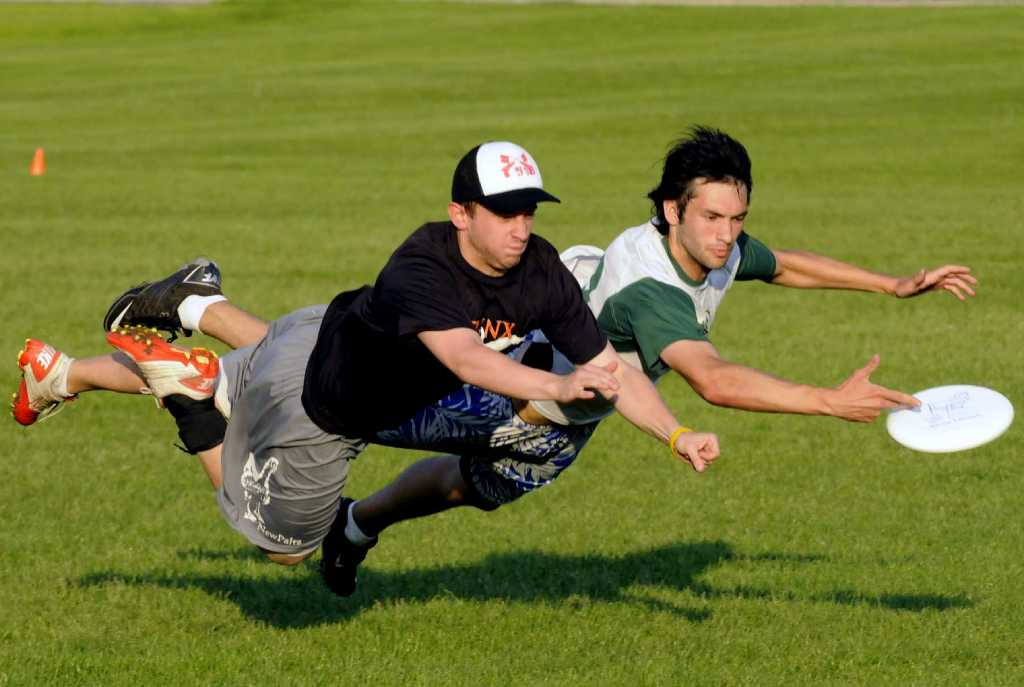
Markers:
<point>283,475</point>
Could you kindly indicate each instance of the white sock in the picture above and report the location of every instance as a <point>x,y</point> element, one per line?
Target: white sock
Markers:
<point>190,310</point>
<point>352,531</point>
<point>60,385</point>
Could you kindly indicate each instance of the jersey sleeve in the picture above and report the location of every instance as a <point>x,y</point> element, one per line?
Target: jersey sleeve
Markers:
<point>569,324</point>
<point>657,315</point>
<point>421,294</point>
<point>757,261</point>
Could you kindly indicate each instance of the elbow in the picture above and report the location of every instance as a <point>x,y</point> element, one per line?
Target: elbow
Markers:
<point>710,390</point>
<point>717,398</point>
<point>463,368</point>
<point>468,374</point>
<point>717,389</point>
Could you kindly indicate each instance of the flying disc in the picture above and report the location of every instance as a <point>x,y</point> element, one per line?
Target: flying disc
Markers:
<point>951,418</point>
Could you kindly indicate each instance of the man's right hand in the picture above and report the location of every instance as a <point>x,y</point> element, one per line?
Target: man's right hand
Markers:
<point>859,400</point>
<point>698,449</point>
<point>585,381</point>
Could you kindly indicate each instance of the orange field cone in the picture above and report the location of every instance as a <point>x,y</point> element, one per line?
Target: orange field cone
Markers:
<point>38,166</point>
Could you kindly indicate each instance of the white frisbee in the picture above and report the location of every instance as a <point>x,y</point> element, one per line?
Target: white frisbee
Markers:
<point>951,418</point>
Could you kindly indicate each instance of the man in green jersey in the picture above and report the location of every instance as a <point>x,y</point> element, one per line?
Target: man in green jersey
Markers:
<point>657,287</point>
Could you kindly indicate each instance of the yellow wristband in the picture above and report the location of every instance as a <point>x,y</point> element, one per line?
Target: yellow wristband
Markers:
<point>680,431</point>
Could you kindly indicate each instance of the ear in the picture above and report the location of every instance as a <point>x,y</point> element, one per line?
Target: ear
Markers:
<point>671,210</point>
<point>458,215</point>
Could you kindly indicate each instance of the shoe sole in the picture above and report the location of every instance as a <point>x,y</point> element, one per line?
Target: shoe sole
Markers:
<point>160,362</point>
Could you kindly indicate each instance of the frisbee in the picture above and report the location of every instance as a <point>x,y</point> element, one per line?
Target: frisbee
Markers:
<point>951,418</point>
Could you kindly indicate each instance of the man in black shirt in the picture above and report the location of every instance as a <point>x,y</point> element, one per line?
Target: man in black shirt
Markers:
<point>454,296</point>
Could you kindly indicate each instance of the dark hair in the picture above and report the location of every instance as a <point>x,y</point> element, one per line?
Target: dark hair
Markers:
<point>704,153</point>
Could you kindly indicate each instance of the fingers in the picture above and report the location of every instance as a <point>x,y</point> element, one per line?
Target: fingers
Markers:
<point>859,400</point>
<point>868,409</point>
<point>965,275</point>
<point>598,377</point>
<point>952,269</point>
<point>894,399</point>
<point>699,449</point>
<point>589,378</point>
<point>868,369</point>
<point>957,279</point>
<point>591,391</point>
<point>958,286</point>
<point>709,451</point>
<point>955,291</point>
<point>963,283</point>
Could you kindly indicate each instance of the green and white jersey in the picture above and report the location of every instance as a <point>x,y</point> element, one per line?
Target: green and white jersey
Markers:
<point>644,301</point>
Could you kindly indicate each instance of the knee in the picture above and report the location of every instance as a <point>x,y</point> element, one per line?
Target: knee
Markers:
<point>463,494</point>
<point>471,497</point>
<point>486,506</point>
<point>287,558</point>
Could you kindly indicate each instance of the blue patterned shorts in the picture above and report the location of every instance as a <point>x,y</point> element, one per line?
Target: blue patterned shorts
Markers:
<point>503,457</point>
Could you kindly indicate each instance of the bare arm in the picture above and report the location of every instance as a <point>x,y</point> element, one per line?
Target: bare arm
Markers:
<point>805,270</point>
<point>728,384</point>
<point>640,403</point>
<point>461,351</point>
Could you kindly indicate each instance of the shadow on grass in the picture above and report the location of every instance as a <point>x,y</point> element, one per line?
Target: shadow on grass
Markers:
<point>893,602</point>
<point>250,553</point>
<point>301,600</point>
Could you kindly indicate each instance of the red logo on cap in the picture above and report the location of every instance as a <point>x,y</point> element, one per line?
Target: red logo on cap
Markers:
<point>520,167</point>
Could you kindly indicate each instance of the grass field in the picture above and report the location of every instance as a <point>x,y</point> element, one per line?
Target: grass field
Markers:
<point>299,142</point>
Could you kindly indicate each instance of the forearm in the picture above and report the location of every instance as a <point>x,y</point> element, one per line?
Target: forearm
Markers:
<point>806,270</point>
<point>495,372</point>
<point>641,404</point>
<point>745,388</point>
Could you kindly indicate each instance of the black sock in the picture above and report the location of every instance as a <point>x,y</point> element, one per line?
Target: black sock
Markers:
<point>200,424</point>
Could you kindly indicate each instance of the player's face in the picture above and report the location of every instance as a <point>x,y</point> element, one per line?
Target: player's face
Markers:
<point>711,222</point>
<point>490,242</point>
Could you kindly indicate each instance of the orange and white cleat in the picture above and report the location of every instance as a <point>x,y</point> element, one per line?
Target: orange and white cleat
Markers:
<point>168,370</point>
<point>44,374</point>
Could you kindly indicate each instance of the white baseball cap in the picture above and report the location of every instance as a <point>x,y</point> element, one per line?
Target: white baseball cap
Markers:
<point>501,176</point>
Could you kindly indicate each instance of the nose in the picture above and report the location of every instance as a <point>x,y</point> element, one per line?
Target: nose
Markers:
<point>725,232</point>
<point>521,227</point>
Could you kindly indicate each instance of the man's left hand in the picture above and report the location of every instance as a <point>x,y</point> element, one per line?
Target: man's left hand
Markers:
<point>956,279</point>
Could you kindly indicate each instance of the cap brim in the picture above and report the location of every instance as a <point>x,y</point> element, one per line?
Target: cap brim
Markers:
<point>512,202</point>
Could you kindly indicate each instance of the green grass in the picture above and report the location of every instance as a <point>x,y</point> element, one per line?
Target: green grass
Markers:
<point>298,143</point>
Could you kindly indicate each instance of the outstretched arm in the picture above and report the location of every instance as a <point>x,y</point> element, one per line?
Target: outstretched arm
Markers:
<point>805,270</point>
<point>461,351</point>
<point>640,403</point>
<point>728,384</point>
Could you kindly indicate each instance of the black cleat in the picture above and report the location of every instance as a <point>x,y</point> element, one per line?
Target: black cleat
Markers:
<point>155,304</point>
<point>339,557</point>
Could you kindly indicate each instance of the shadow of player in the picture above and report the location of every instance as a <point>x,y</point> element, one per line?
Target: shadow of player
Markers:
<point>301,600</point>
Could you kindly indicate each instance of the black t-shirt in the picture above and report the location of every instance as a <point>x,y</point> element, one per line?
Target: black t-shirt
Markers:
<point>369,371</point>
